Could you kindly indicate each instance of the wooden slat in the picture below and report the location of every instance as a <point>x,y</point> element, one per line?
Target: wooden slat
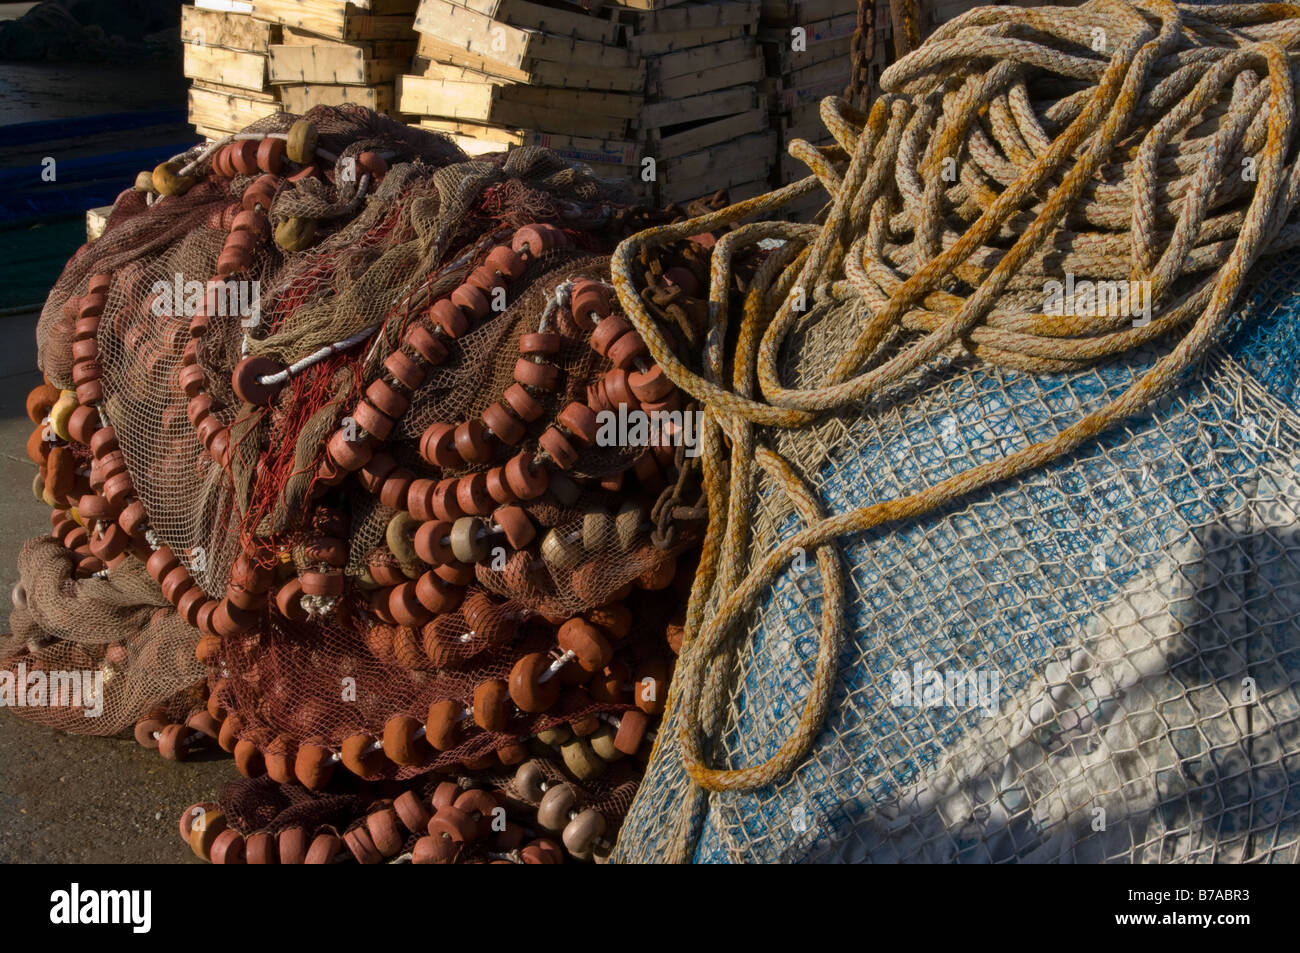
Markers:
<point>225,6</point>
<point>595,102</point>
<point>699,16</point>
<point>787,60</point>
<point>644,4</point>
<point>218,111</point>
<point>438,60</point>
<point>659,44</point>
<point>579,148</point>
<point>230,31</point>
<point>714,55</point>
<point>708,134</point>
<point>370,49</point>
<point>813,130</point>
<point>722,102</point>
<point>267,95</point>
<point>804,112</point>
<point>337,64</point>
<point>535,16</point>
<point>299,99</point>
<point>471,145</point>
<point>794,12</point>
<point>749,179</point>
<point>512,46</point>
<point>475,130</point>
<point>227,67</point>
<point>760,147</point>
<point>488,103</point>
<point>337,21</point>
<point>706,80</point>
<point>828,79</point>
<point>819,31</point>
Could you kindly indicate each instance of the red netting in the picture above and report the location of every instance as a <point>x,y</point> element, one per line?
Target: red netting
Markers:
<point>282,534</point>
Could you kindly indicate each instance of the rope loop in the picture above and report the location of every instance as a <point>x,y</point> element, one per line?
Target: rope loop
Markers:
<point>1139,147</point>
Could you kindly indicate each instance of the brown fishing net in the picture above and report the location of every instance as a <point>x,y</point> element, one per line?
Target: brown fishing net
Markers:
<point>193,582</point>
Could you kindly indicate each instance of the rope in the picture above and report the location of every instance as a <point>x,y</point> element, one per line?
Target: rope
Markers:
<point>1014,147</point>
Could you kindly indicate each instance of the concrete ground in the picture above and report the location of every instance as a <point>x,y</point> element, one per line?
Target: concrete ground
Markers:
<point>74,798</point>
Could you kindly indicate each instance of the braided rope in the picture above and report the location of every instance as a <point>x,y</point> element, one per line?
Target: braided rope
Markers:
<point>1121,158</point>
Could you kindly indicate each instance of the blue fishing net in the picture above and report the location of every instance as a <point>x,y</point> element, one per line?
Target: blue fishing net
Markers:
<point>1097,661</point>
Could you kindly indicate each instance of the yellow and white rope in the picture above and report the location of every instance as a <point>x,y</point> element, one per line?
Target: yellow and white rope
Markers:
<point>1125,141</point>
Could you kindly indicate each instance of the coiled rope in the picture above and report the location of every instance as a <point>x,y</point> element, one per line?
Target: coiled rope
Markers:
<point>1119,141</point>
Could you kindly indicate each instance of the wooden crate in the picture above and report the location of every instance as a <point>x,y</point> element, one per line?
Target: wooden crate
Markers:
<point>375,20</point>
<point>758,147</point>
<point>709,78</point>
<point>666,145</point>
<point>571,112</point>
<point>226,54</point>
<point>213,64</point>
<point>439,60</point>
<point>711,105</point>
<point>710,56</point>
<point>300,98</point>
<point>558,22</point>
<point>699,16</point>
<point>459,26</point>
<point>201,27</point>
<point>751,178</point>
<point>815,32</point>
<point>674,81</point>
<point>605,152</point>
<point>661,44</point>
<point>97,221</point>
<point>336,63</point>
<point>218,111</point>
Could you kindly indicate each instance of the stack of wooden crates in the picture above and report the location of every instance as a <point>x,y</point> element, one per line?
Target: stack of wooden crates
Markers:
<point>249,59</point>
<point>807,48</point>
<point>334,52</point>
<point>226,55</point>
<point>662,94</point>
<point>806,52</point>
<point>705,121</point>
<point>677,98</point>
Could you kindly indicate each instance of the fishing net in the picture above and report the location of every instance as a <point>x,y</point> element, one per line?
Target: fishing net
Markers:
<point>988,579</point>
<point>258,543</point>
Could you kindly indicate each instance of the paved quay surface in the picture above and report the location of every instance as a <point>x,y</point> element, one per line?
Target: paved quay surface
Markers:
<point>74,798</point>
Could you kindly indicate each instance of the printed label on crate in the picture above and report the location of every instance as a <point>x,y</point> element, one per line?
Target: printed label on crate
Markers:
<point>812,94</point>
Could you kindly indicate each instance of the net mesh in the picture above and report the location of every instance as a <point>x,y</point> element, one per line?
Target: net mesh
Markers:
<point>379,261</point>
<point>1088,660</point>
<point>1132,609</point>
